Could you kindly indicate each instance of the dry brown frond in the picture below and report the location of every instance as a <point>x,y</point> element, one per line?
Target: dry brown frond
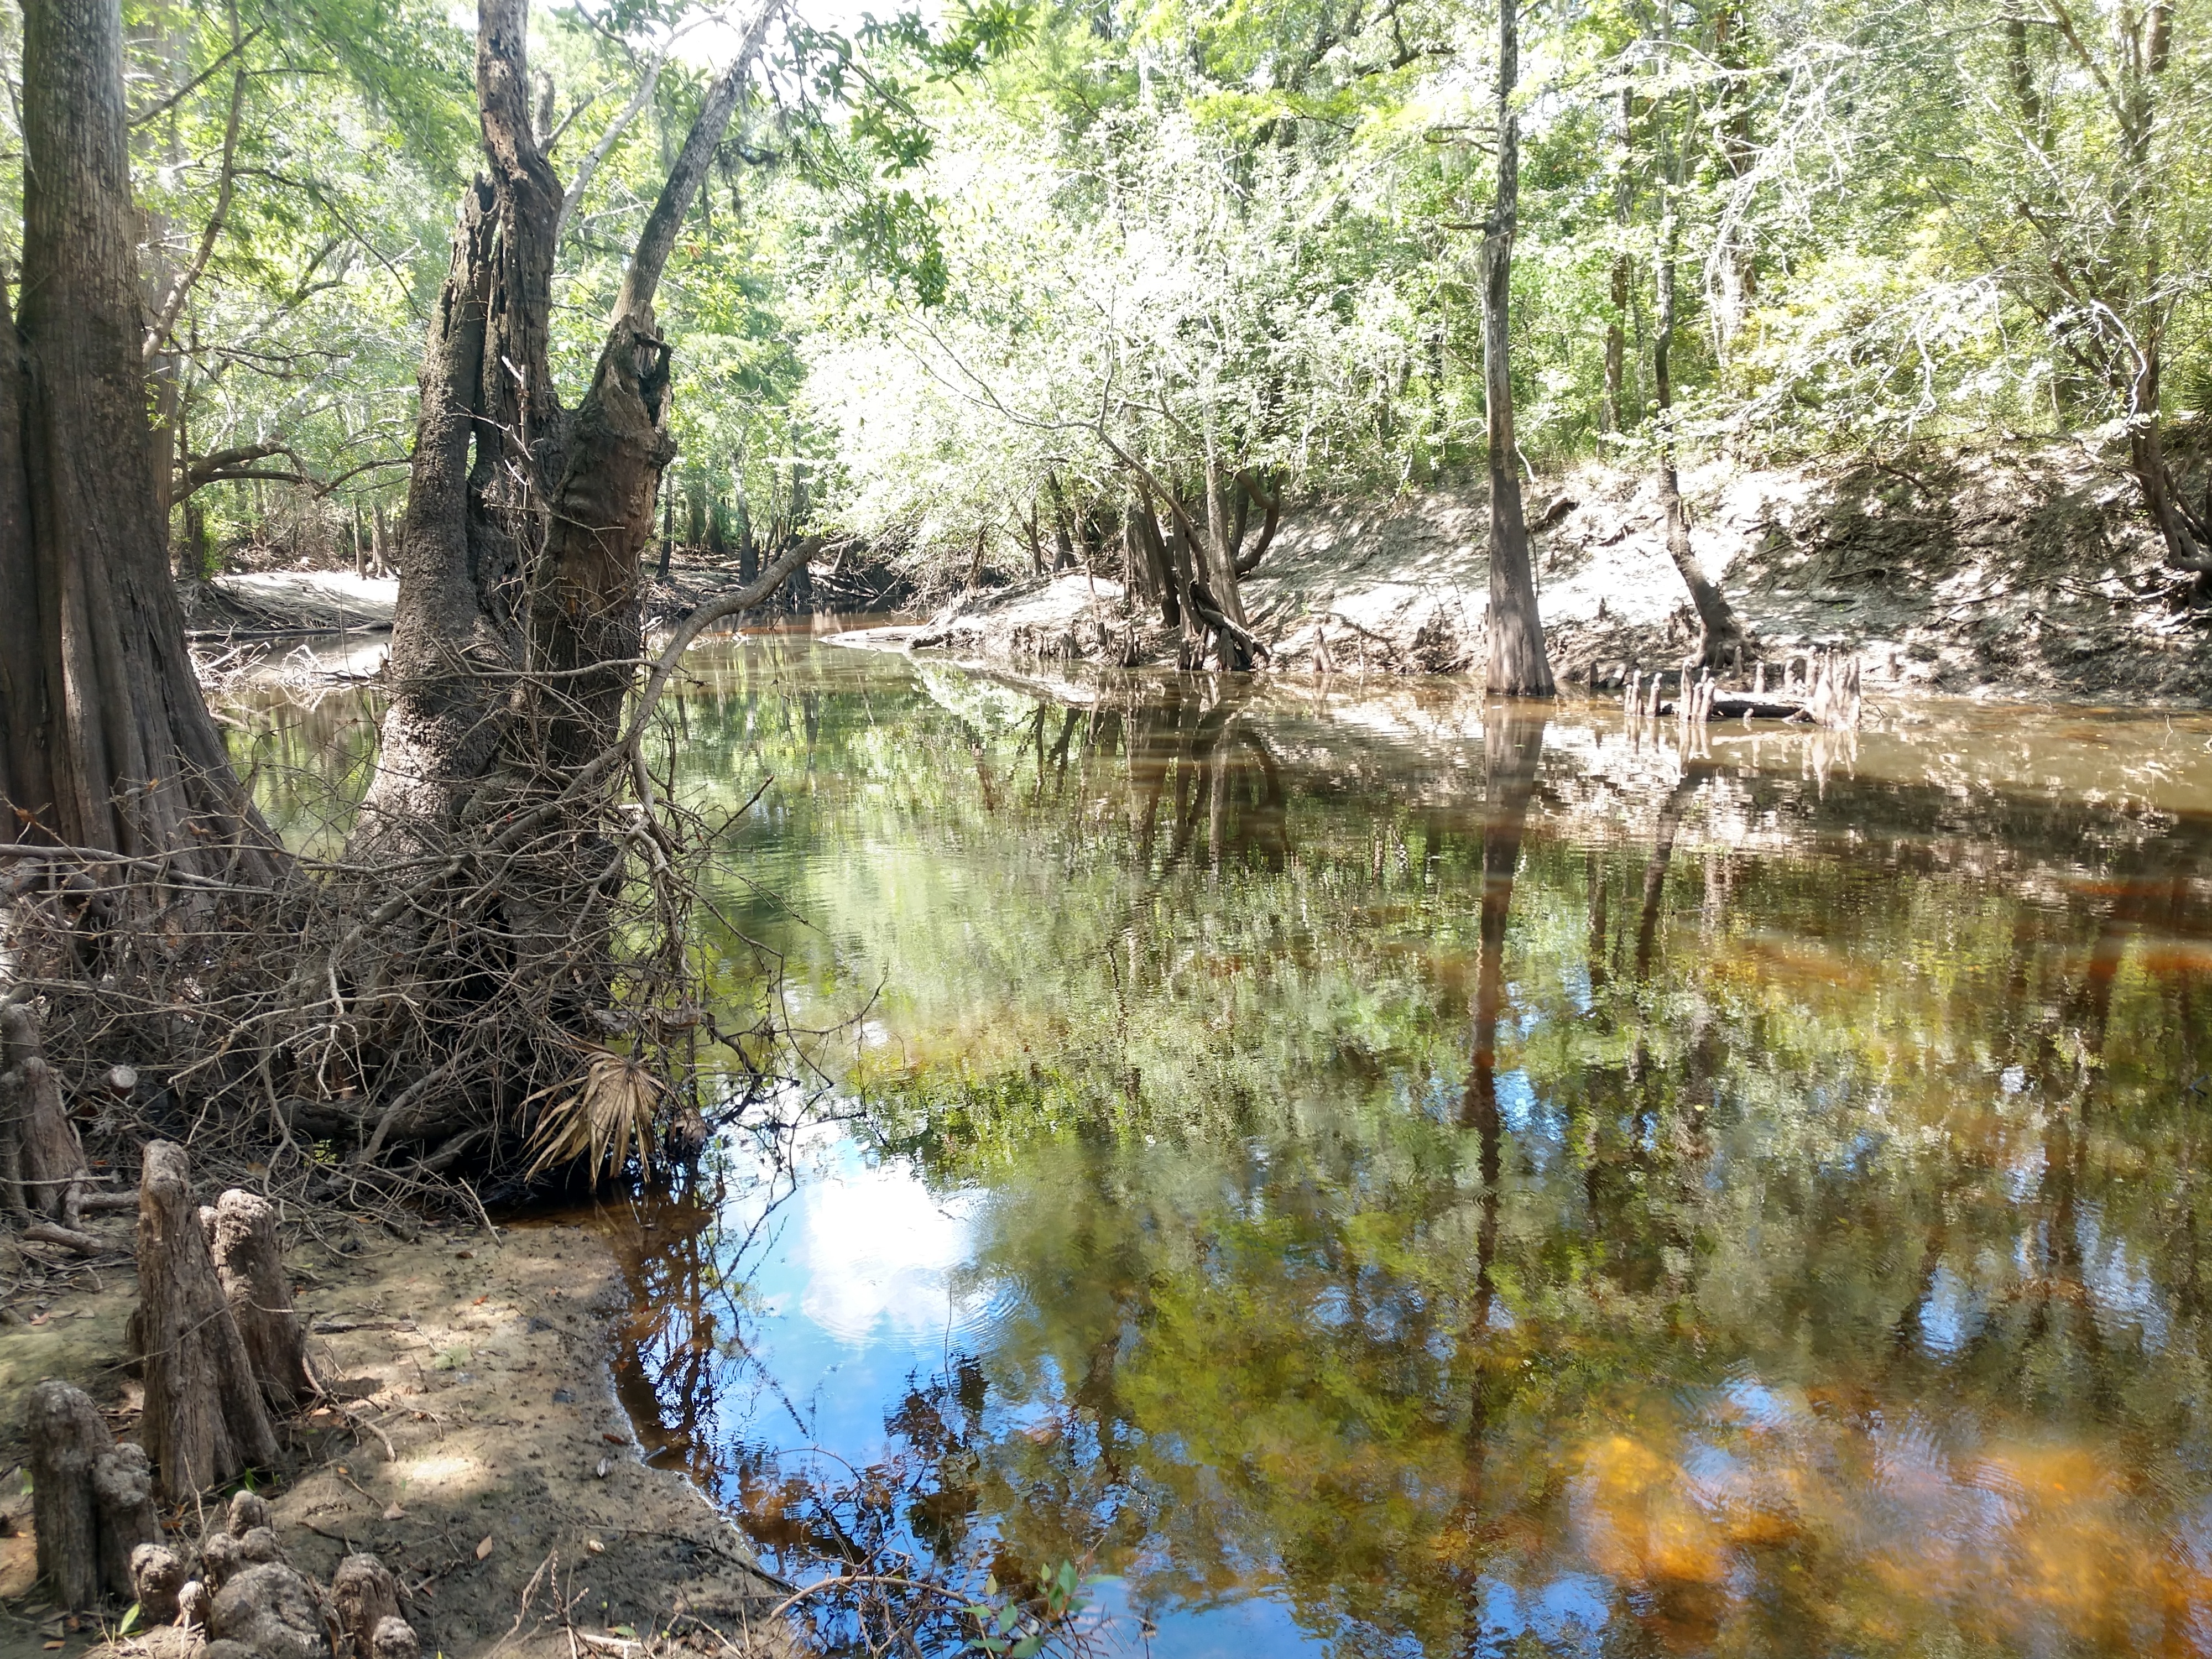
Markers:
<point>599,1115</point>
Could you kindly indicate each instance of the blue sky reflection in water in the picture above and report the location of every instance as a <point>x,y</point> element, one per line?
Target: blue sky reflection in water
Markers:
<point>1372,1174</point>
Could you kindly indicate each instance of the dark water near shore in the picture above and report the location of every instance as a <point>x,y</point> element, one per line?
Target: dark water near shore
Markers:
<point>1373,1173</point>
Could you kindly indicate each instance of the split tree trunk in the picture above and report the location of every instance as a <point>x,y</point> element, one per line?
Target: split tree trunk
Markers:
<point>205,1420</point>
<point>1517,664</point>
<point>488,434</point>
<point>585,619</point>
<point>108,744</point>
<point>91,1500</point>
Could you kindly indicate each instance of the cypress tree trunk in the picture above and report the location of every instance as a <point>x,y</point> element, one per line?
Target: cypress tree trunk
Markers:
<point>585,596</point>
<point>108,744</point>
<point>1518,665</point>
<point>488,434</point>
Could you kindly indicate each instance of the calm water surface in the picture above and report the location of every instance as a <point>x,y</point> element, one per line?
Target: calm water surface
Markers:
<point>1365,1172</point>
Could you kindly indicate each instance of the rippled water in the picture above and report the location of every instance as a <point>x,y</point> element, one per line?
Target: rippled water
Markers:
<point>1361,1170</point>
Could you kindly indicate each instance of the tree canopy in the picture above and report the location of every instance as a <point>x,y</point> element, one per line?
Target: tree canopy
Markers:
<point>961,276</point>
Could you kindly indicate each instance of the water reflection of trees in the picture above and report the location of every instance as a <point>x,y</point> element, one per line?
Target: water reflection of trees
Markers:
<point>1427,1215</point>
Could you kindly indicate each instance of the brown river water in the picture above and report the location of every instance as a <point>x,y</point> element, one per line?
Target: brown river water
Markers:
<point>1358,1169</point>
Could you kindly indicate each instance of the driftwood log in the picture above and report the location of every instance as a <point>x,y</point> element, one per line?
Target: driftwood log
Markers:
<point>247,1259</point>
<point>204,1419</point>
<point>40,1155</point>
<point>91,1499</point>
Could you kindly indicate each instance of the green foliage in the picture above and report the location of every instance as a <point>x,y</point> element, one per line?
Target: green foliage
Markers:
<point>942,264</point>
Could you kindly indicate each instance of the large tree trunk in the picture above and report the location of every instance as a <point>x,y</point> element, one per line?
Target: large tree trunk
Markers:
<point>1719,632</point>
<point>108,742</point>
<point>519,630</point>
<point>488,437</point>
<point>585,620</point>
<point>1518,665</point>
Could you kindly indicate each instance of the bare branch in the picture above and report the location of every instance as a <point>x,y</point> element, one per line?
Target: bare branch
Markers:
<point>164,314</point>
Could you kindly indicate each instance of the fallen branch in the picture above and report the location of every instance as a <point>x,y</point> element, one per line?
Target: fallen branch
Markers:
<point>53,1233</point>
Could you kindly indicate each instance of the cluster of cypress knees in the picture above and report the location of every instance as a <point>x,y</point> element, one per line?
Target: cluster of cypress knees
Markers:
<point>225,1358</point>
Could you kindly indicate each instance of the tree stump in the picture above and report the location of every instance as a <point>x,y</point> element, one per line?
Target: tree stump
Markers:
<point>204,1421</point>
<point>91,1502</point>
<point>44,1155</point>
<point>251,1268</point>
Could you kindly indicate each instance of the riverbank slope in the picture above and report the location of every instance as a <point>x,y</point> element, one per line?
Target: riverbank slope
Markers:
<point>2023,569</point>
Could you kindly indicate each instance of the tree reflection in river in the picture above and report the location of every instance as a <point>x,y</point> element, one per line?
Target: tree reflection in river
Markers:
<point>1795,1252</point>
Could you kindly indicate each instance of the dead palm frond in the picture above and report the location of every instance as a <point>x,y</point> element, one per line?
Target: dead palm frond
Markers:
<point>599,1115</point>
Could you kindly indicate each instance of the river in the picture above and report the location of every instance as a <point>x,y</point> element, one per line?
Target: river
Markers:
<point>1354,1169</point>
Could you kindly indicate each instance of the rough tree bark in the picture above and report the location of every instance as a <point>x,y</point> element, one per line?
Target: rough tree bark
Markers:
<point>488,432</point>
<point>585,622</point>
<point>1518,666</point>
<point>108,744</point>
<point>363,1595</point>
<point>91,1500</point>
<point>205,1420</point>
<point>251,1264</point>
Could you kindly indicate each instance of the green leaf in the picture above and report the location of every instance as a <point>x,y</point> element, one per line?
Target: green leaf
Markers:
<point>129,1621</point>
<point>1026,1647</point>
<point>1006,1616</point>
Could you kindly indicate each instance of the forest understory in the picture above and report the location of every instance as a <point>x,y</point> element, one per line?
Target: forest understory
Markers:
<point>2022,569</point>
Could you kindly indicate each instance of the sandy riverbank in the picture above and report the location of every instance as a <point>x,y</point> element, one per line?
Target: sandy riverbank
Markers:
<point>2019,570</point>
<point>487,1414</point>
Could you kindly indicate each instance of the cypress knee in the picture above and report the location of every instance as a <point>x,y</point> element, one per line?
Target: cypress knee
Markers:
<point>363,1595</point>
<point>90,1498</point>
<point>251,1268</point>
<point>157,1581</point>
<point>48,1153</point>
<point>205,1420</point>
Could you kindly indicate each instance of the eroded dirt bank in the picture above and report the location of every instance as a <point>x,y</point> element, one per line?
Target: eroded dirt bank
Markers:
<point>2022,569</point>
<point>486,1462</point>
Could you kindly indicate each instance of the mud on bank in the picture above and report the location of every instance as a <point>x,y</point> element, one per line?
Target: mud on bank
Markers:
<point>491,1467</point>
<point>2022,569</point>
